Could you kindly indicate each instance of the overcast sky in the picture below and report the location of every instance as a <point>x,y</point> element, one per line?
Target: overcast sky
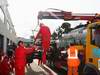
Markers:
<point>24,12</point>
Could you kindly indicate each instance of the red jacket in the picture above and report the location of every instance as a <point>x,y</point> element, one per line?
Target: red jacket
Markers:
<point>20,55</point>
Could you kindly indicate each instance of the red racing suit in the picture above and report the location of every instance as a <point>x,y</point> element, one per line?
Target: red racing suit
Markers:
<point>20,59</point>
<point>45,38</point>
<point>5,66</point>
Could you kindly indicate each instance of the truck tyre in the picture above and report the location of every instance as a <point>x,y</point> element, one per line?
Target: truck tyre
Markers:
<point>90,69</point>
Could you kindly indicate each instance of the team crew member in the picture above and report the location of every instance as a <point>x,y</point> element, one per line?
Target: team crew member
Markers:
<point>73,60</point>
<point>5,66</point>
<point>20,58</point>
<point>45,35</point>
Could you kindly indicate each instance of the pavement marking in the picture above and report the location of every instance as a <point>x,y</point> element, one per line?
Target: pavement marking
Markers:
<point>53,73</point>
<point>37,68</point>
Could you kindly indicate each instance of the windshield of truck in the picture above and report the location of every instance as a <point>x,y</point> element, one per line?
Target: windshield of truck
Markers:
<point>96,36</point>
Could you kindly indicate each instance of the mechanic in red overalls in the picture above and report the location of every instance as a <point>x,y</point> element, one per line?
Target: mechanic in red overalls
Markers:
<point>5,66</point>
<point>20,58</point>
<point>45,35</point>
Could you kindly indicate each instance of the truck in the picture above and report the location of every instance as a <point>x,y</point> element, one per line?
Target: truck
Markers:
<point>85,37</point>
